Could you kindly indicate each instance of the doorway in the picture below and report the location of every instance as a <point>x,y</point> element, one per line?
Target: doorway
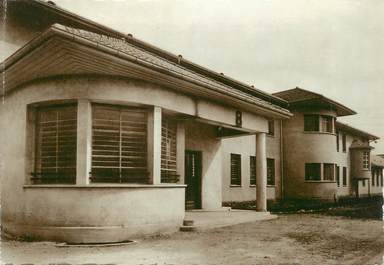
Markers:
<point>193,168</point>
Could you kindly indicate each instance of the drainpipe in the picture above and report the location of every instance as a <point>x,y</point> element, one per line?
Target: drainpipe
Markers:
<point>281,161</point>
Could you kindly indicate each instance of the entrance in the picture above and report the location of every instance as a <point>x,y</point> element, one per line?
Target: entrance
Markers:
<point>193,179</point>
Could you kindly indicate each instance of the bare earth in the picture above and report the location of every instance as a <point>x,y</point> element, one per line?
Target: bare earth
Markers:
<point>290,239</point>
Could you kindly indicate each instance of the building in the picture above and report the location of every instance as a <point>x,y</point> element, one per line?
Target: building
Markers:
<point>309,156</point>
<point>106,137</point>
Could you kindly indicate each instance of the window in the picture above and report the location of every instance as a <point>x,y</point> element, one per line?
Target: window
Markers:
<point>271,127</point>
<point>312,171</point>
<point>168,151</point>
<point>344,176</point>
<point>119,144</point>
<point>337,142</point>
<point>235,169</point>
<point>311,123</point>
<point>344,142</point>
<point>338,175</point>
<point>329,172</point>
<point>366,160</point>
<point>56,134</point>
<point>373,176</point>
<point>381,177</point>
<point>327,124</point>
<point>270,171</point>
<point>252,170</point>
<point>363,182</point>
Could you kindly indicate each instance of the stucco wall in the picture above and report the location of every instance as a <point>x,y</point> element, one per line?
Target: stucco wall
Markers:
<point>202,137</point>
<point>246,146</point>
<point>307,147</point>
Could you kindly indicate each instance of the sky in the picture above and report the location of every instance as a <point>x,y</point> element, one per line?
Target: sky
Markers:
<point>332,47</point>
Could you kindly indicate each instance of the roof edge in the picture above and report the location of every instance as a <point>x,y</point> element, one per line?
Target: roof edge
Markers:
<point>356,131</point>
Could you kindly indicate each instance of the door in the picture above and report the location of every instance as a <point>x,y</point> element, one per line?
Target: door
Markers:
<point>193,180</point>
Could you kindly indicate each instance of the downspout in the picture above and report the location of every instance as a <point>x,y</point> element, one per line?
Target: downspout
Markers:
<point>281,161</point>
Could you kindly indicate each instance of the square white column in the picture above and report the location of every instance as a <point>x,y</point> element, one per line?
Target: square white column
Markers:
<point>180,152</point>
<point>84,142</point>
<point>154,145</point>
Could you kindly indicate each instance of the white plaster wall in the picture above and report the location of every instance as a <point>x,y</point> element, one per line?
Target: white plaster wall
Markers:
<point>202,137</point>
<point>246,146</point>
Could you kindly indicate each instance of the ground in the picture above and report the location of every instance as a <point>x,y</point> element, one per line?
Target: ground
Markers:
<point>290,239</point>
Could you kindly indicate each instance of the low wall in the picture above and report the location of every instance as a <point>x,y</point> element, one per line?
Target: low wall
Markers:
<point>103,213</point>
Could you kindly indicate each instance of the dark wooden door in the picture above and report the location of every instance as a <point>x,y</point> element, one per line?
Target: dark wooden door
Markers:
<point>193,180</point>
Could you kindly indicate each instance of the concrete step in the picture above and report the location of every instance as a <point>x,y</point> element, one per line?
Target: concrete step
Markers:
<point>185,228</point>
<point>188,222</point>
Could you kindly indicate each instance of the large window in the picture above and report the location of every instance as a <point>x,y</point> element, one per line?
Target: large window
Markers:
<point>311,123</point>
<point>366,160</point>
<point>344,176</point>
<point>252,170</point>
<point>119,144</point>
<point>55,156</point>
<point>327,124</point>
<point>168,151</point>
<point>270,171</point>
<point>312,171</point>
<point>329,172</point>
<point>235,169</point>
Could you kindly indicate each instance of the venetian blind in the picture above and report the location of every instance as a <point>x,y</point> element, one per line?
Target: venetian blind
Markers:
<point>56,145</point>
<point>168,150</point>
<point>119,144</point>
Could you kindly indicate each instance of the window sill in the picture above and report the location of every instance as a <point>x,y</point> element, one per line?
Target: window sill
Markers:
<point>235,186</point>
<point>319,181</point>
<point>92,186</point>
<point>252,186</point>
<point>271,186</point>
<point>316,132</point>
<point>271,135</point>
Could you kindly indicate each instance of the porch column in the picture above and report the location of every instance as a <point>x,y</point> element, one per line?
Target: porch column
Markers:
<point>180,152</point>
<point>84,141</point>
<point>154,145</point>
<point>261,173</point>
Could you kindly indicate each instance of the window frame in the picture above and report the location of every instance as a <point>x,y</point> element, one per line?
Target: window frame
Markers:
<point>235,161</point>
<point>331,170</point>
<point>327,121</point>
<point>252,170</point>
<point>271,128</point>
<point>309,123</point>
<point>271,172</point>
<point>345,177</point>
<point>366,160</point>
<point>337,168</point>
<point>38,177</point>
<point>344,142</point>
<point>308,170</point>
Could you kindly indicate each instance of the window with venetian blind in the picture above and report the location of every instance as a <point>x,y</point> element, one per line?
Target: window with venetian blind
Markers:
<point>235,169</point>
<point>119,144</point>
<point>168,150</point>
<point>55,153</point>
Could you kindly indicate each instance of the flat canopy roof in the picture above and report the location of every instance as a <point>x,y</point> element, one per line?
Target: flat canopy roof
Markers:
<point>64,50</point>
<point>298,97</point>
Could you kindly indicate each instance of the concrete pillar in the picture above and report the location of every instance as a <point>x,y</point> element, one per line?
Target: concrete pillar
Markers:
<point>84,142</point>
<point>180,152</point>
<point>261,173</point>
<point>154,145</point>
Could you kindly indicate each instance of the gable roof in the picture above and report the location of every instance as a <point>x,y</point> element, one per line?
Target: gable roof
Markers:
<point>89,25</point>
<point>63,50</point>
<point>298,97</point>
<point>355,131</point>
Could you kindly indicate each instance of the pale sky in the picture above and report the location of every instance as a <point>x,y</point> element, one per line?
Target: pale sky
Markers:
<point>332,47</point>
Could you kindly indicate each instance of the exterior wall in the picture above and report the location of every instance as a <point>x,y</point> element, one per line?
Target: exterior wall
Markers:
<point>307,147</point>
<point>376,189</point>
<point>202,137</point>
<point>344,160</point>
<point>246,146</point>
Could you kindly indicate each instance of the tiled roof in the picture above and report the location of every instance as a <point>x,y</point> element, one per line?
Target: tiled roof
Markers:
<point>122,46</point>
<point>297,94</point>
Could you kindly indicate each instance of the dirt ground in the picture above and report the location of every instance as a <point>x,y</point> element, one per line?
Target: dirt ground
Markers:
<point>299,239</point>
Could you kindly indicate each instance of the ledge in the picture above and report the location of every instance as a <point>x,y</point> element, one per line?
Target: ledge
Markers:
<point>235,186</point>
<point>105,186</point>
<point>322,133</point>
<point>319,181</point>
